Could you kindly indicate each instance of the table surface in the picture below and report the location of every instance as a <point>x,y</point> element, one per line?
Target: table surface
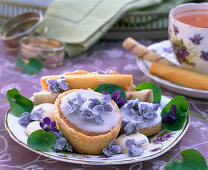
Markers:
<point>104,55</point>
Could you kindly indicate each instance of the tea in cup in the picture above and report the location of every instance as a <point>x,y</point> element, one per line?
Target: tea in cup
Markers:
<point>188,33</point>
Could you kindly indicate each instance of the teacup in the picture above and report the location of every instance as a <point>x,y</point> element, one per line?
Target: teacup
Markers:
<point>188,34</point>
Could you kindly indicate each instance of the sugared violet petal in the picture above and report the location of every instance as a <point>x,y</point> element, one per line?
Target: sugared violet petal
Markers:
<point>112,149</point>
<point>25,118</point>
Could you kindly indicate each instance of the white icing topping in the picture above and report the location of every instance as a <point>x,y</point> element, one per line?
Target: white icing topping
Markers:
<point>110,118</point>
<point>126,116</point>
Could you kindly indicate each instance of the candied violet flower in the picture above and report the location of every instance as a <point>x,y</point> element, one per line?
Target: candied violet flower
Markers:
<point>37,114</point>
<point>131,127</point>
<point>55,85</point>
<point>133,107</point>
<point>25,118</point>
<point>148,111</point>
<point>134,148</point>
<point>196,39</point>
<point>48,126</point>
<point>204,55</point>
<point>105,72</point>
<point>93,116</point>
<point>68,147</point>
<point>60,144</point>
<point>171,117</point>
<point>58,135</point>
<point>76,103</point>
<point>112,149</point>
<point>116,96</point>
<point>103,102</point>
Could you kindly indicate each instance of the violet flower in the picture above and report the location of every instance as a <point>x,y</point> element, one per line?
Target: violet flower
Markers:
<point>196,39</point>
<point>93,115</point>
<point>204,55</point>
<point>102,102</point>
<point>48,125</point>
<point>134,148</point>
<point>171,117</point>
<point>116,96</point>
<point>175,29</point>
<point>55,85</point>
<point>112,149</point>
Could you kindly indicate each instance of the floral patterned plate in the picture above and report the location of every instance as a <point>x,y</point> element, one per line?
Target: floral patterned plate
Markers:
<point>159,144</point>
<point>164,49</point>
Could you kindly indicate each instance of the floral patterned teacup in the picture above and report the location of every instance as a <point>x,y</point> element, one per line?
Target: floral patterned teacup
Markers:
<point>189,43</point>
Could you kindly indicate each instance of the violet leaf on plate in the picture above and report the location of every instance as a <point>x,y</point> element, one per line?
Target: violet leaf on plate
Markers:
<point>155,89</point>
<point>18,103</point>
<point>41,140</point>
<point>174,121</point>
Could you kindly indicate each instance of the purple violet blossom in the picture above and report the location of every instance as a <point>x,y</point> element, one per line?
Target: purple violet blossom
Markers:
<point>175,29</point>
<point>134,148</point>
<point>171,117</point>
<point>196,39</point>
<point>48,125</point>
<point>116,97</point>
<point>55,85</point>
<point>112,149</point>
<point>204,55</point>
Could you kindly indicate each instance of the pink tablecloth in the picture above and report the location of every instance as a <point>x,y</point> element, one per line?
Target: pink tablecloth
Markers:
<point>104,55</point>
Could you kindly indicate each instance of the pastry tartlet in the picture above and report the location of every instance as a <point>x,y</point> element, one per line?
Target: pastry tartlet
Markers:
<point>86,136</point>
<point>142,116</point>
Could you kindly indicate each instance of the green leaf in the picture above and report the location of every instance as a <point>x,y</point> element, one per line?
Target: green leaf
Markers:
<point>192,160</point>
<point>110,88</point>
<point>155,89</point>
<point>41,140</point>
<point>182,109</point>
<point>18,103</point>
<point>32,67</point>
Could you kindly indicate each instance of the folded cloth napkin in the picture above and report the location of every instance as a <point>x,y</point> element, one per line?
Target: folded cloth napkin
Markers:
<point>80,23</point>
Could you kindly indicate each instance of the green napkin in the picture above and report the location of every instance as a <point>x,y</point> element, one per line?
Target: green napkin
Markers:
<point>80,23</point>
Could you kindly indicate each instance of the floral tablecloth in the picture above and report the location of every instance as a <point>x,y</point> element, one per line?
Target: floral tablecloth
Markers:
<point>104,55</point>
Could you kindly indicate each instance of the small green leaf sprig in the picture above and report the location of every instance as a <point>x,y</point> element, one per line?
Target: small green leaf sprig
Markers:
<point>18,103</point>
<point>30,66</point>
<point>192,160</point>
<point>155,89</point>
<point>41,140</point>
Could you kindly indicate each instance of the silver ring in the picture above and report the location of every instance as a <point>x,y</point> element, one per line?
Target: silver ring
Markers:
<point>19,26</point>
<point>49,51</point>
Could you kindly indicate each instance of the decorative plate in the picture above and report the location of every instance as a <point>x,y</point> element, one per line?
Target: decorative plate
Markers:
<point>164,49</point>
<point>159,144</point>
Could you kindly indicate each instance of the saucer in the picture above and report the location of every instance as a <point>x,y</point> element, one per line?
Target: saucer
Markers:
<point>164,49</point>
